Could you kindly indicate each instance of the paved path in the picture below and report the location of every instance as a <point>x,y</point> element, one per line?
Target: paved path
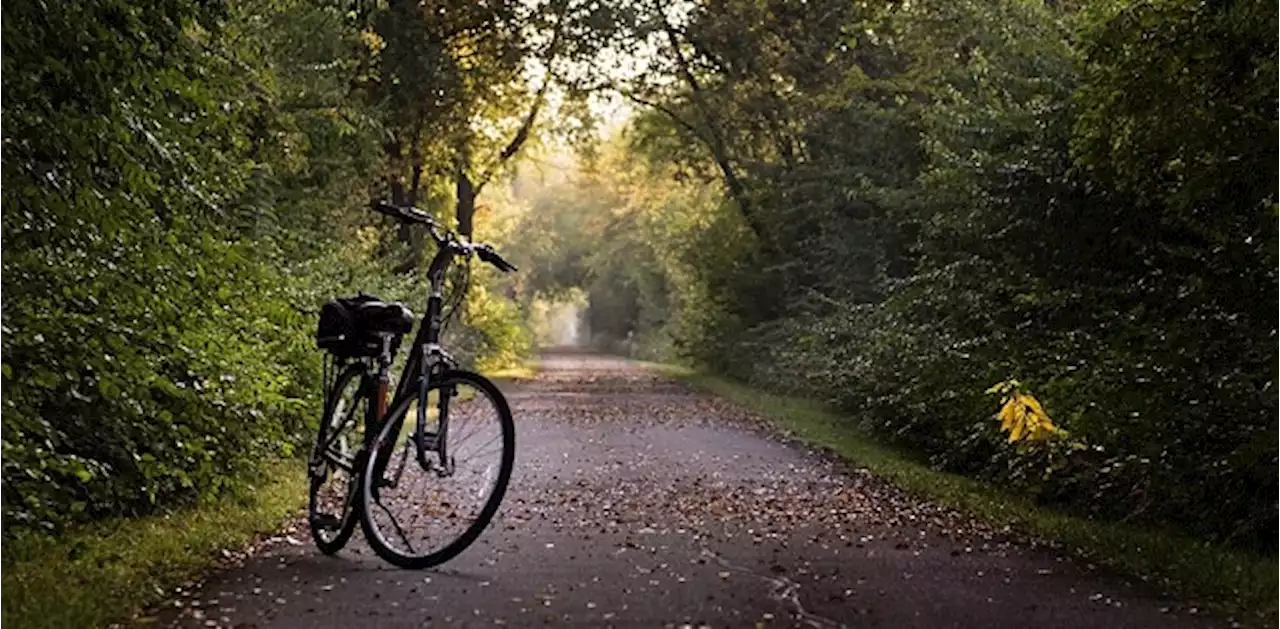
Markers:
<point>639,503</point>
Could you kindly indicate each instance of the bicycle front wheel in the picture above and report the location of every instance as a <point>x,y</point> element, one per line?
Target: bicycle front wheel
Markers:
<point>440,477</point>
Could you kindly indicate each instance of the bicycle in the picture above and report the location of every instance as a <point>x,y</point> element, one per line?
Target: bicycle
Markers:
<point>433,403</point>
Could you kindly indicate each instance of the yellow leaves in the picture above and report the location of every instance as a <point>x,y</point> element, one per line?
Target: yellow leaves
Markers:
<point>1022,416</point>
<point>372,40</point>
<point>1005,387</point>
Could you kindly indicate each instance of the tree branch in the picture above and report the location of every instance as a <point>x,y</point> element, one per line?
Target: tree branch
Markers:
<point>521,136</point>
<point>719,148</point>
<point>526,126</point>
<point>663,109</point>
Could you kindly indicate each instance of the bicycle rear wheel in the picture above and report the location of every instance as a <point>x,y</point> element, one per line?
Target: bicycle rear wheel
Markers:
<point>417,511</point>
<point>333,468</point>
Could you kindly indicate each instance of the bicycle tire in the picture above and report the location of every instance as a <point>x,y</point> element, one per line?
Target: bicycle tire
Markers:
<point>348,518</point>
<point>368,493</point>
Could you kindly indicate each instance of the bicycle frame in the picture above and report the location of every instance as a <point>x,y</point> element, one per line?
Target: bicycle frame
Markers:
<point>425,352</point>
<point>426,359</point>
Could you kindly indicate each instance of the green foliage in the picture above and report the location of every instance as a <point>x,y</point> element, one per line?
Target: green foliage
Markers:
<point>136,369</point>
<point>1207,153</point>
<point>494,335</point>
<point>164,382</point>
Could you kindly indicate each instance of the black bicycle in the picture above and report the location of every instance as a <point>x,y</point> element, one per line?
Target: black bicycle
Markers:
<point>425,469</point>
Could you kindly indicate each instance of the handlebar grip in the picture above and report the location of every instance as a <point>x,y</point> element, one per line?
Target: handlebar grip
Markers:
<point>502,263</point>
<point>487,254</point>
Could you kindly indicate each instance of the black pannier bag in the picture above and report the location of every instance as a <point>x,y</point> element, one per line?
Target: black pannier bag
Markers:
<point>349,326</point>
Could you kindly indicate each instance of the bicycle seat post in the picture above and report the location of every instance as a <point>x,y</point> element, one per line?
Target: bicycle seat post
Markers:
<point>384,377</point>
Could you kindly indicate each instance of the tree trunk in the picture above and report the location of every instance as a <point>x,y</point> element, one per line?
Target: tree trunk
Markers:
<point>466,208</point>
<point>406,233</point>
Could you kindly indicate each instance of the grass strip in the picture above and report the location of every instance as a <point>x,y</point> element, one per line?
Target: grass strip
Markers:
<point>526,370</point>
<point>1231,581</point>
<point>104,572</point>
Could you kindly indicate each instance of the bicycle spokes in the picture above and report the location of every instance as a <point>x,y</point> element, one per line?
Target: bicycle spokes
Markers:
<point>430,499</point>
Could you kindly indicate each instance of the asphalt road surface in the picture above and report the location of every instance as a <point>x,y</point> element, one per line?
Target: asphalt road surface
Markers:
<point>637,502</point>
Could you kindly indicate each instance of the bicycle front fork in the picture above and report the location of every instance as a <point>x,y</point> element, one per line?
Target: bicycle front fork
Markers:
<point>432,446</point>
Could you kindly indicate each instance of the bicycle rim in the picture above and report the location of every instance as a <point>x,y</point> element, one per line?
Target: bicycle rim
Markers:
<point>333,466</point>
<point>418,511</point>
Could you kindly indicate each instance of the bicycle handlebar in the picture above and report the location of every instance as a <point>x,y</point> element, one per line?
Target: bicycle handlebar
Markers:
<point>411,214</point>
<point>405,213</point>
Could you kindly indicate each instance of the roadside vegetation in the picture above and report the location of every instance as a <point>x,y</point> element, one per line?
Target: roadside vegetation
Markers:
<point>110,570</point>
